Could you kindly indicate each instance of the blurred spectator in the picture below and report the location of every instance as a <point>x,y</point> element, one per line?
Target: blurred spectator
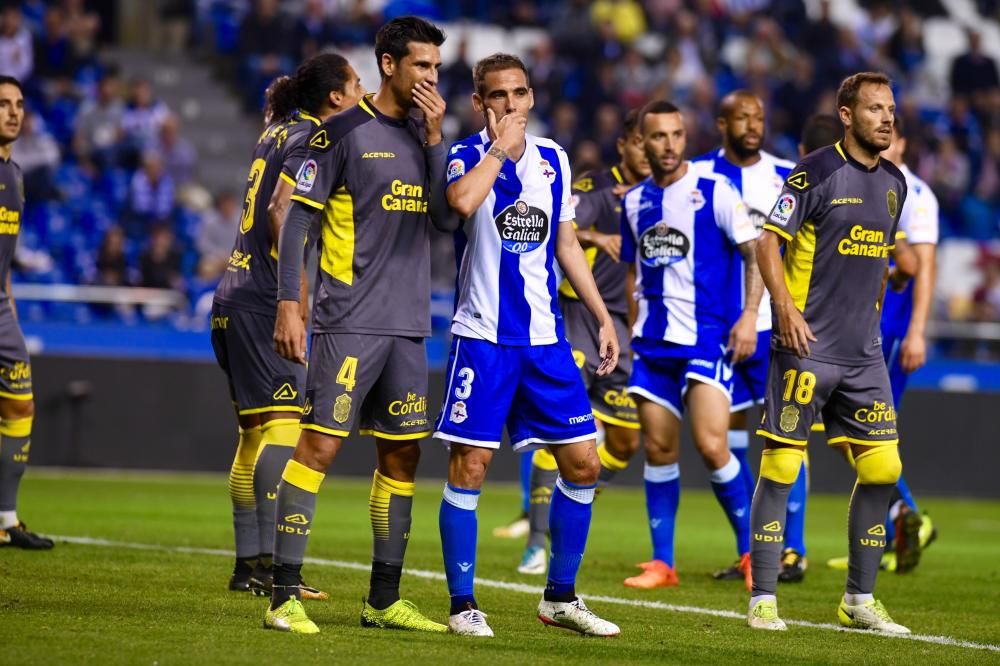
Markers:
<point>313,30</point>
<point>946,170</point>
<point>973,72</point>
<point>355,24</point>
<point>151,191</point>
<point>907,44</point>
<point>819,36</point>
<point>265,45</point>
<point>54,54</point>
<point>573,31</point>
<point>160,262</point>
<point>99,125</point>
<point>175,24</point>
<point>633,79</point>
<point>38,155</point>
<point>625,17</point>
<point>215,236</point>
<point>112,267</point>
<point>178,155</point>
<point>455,78</point>
<point>563,126</point>
<point>986,298</point>
<point>142,118</point>
<point>83,25</point>
<point>16,49</point>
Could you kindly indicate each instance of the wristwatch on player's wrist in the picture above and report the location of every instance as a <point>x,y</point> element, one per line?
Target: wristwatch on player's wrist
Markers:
<point>498,153</point>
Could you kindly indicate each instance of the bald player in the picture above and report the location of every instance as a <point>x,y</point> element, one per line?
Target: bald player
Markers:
<point>758,176</point>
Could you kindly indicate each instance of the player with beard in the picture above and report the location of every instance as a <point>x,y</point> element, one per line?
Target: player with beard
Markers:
<point>680,230</point>
<point>837,216</point>
<point>758,175</point>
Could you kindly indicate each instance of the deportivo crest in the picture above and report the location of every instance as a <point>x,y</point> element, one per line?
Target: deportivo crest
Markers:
<point>660,246</point>
<point>342,408</point>
<point>789,420</point>
<point>456,169</point>
<point>696,199</point>
<point>522,228</point>
<point>891,202</point>
<point>783,209</point>
<point>458,412</point>
<point>307,176</point>
<point>548,173</point>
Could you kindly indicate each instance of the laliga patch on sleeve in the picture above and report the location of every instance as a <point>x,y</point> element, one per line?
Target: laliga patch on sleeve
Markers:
<point>456,168</point>
<point>307,177</point>
<point>783,209</point>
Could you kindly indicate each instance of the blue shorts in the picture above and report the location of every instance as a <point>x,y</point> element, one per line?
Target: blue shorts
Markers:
<point>750,376</point>
<point>536,391</point>
<point>665,380</point>
<point>891,351</point>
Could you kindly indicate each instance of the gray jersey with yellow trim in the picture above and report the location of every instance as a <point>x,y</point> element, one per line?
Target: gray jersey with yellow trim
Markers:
<point>251,278</point>
<point>599,208</point>
<point>11,212</point>
<point>368,173</point>
<point>839,219</point>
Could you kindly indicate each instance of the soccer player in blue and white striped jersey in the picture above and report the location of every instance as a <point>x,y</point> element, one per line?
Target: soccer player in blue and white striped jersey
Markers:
<point>680,232</point>
<point>510,363</point>
<point>758,175</point>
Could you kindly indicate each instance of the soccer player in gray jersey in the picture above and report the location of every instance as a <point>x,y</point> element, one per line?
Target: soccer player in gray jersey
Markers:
<point>837,216</point>
<point>265,388</point>
<point>378,176</point>
<point>17,406</point>
<point>597,199</point>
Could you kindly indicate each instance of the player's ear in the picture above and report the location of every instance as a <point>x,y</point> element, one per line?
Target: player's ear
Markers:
<point>531,99</point>
<point>477,103</point>
<point>620,146</point>
<point>720,124</point>
<point>845,115</point>
<point>388,65</point>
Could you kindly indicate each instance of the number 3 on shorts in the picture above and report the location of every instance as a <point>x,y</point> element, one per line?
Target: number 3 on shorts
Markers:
<point>464,389</point>
<point>348,372</point>
<point>803,391</point>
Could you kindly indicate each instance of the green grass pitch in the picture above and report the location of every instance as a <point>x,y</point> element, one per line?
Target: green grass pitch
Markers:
<point>110,604</point>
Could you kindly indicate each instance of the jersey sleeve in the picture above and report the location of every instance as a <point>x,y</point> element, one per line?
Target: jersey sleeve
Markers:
<point>567,211</point>
<point>628,236</point>
<point>919,219</point>
<point>731,214</point>
<point>292,158</point>
<point>321,171</point>
<point>586,203</point>
<point>799,201</point>
<point>461,160</point>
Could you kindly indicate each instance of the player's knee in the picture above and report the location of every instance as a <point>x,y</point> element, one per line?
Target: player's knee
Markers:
<point>398,462</point>
<point>582,470</point>
<point>622,443</point>
<point>782,464</point>
<point>879,465</point>
<point>17,409</point>
<point>316,451</point>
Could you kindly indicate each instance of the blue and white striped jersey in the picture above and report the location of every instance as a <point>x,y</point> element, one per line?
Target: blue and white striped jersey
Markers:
<point>759,184</point>
<point>507,282</point>
<point>682,239</point>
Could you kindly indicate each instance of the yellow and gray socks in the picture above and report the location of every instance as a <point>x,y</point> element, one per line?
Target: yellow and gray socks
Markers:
<point>878,469</point>
<point>15,442</point>
<point>294,512</point>
<point>544,473</point>
<point>241,495</point>
<point>390,506</point>
<point>610,466</point>
<point>778,470</point>
<point>277,444</point>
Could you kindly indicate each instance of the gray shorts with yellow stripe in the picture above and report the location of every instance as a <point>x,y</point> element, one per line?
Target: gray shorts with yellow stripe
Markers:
<point>377,382</point>
<point>609,400</point>
<point>259,379</point>
<point>854,402</point>
<point>15,367</point>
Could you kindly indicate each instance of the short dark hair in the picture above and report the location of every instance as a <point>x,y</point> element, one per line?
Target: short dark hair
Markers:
<point>847,94</point>
<point>308,87</point>
<point>630,123</point>
<point>495,63</point>
<point>821,130</point>
<point>395,36</point>
<point>11,81</point>
<point>655,107</point>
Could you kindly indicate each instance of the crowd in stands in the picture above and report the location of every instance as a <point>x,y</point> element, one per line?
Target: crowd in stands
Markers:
<point>109,175</point>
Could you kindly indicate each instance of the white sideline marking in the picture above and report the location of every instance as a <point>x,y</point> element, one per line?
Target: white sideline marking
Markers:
<point>535,590</point>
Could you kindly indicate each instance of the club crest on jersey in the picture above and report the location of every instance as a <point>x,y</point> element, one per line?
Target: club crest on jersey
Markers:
<point>660,246</point>
<point>307,176</point>
<point>891,202</point>
<point>342,408</point>
<point>458,412</point>
<point>783,209</point>
<point>789,419</point>
<point>548,173</point>
<point>456,168</point>
<point>696,199</point>
<point>522,228</point>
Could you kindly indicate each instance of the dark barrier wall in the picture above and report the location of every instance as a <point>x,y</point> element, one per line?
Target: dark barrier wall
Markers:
<point>177,415</point>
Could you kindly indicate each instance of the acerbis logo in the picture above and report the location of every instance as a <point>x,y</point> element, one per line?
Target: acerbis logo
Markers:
<point>286,392</point>
<point>773,526</point>
<point>297,519</point>
<point>878,530</point>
